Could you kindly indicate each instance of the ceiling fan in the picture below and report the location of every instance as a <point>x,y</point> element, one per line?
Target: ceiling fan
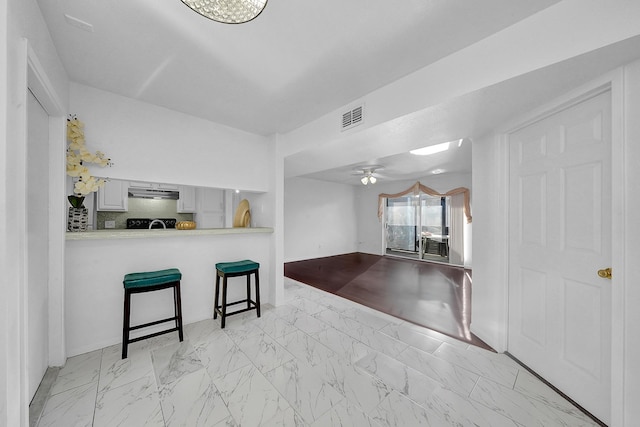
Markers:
<point>368,173</point>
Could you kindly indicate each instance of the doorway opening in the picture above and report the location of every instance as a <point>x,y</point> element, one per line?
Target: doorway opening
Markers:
<point>417,227</point>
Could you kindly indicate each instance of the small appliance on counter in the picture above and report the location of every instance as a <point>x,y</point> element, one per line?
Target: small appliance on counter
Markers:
<point>143,223</point>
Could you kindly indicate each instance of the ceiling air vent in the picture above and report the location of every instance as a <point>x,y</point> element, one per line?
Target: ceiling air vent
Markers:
<point>352,118</point>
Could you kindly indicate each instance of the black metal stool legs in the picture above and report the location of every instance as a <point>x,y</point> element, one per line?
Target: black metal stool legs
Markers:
<point>125,323</point>
<point>178,302</point>
<point>224,300</point>
<point>257,292</point>
<point>220,307</point>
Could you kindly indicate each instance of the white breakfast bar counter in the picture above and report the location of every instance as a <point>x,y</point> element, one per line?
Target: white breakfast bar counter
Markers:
<point>96,262</point>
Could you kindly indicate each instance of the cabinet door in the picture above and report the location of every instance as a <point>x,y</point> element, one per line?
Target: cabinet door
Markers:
<point>210,208</point>
<point>168,187</point>
<point>187,200</point>
<point>138,184</point>
<point>113,196</point>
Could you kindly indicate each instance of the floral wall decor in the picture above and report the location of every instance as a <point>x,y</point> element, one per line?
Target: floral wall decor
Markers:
<point>78,156</point>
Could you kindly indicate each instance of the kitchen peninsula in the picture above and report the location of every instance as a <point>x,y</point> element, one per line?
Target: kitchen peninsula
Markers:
<point>96,262</point>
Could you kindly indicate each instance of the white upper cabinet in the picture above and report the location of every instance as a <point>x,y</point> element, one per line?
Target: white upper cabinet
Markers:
<point>113,196</point>
<point>210,208</point>
<point>187,200</point>
<point>153,185</point>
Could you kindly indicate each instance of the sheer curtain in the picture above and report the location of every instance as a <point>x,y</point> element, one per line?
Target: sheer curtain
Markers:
<point>456,230</point>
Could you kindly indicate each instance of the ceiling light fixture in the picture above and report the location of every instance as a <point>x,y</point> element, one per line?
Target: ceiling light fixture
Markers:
<point>366,173</point>
<point>228,11</point>
<point>433,149</point>
<point>369,178</point>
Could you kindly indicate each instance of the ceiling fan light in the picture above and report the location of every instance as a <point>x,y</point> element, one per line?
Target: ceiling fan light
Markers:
<point>364,180</point>
<point>372,179</point>
<point>227,11</point>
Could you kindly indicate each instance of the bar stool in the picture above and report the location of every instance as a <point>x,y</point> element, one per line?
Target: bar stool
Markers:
<point>135,283</point>
<point>235,269</point>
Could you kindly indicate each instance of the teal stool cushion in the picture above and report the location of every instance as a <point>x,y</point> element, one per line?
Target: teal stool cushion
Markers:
<point>237,267</point>
<point>151,278</point>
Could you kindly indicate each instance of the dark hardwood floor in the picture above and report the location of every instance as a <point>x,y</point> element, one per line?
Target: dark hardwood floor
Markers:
<point>432,295</point>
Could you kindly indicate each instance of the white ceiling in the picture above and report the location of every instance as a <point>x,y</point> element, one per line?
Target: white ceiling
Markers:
<point>470,117</point>
<point>301,59</point>
<point>297,61</point>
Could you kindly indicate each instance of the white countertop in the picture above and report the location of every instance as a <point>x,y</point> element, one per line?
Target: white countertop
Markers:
<point>159,233</point>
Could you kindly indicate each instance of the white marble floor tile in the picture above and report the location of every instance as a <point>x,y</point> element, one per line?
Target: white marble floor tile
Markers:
<point>133,404</point>
<point>404,379</point>
<point>253,401</point>
<point>285,310</point>
<point>413,336</point>
<point>221,356</point>
<point>319,360</point>
<point>335,302</point>
<point>264,352</point>
<point>79,370</point>
<point>342,344</point>
<point>360,388</point>
<point>480,363</point>
<point>306,348</point>
<point>306,391</point>
<point>345,414</point>
<point>306,323</point>
<point>173,361</point>
<point>116,372</point>
<point>362,332</point>
<point>308,305</point>
<point>241,326</point>
<point>523,410</point>
<point>377,340</point>
<point>457,410</point>
<point>397,410</point>
<point>193,401</point>
<point>154,343</point>
<point>492,355</point>
<point>367,317</point>
<point>276,327</point>
<point>204,331</point>
<point>451,376</point>
<point>71,408</point>
<point>532,387</point>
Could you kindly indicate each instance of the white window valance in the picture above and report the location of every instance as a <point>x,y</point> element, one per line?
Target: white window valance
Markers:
<point>416,188</point>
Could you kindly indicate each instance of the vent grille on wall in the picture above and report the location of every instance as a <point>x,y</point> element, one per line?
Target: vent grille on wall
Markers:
<point>352,118</point>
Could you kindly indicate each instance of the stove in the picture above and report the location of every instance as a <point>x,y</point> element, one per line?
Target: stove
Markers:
<point>143,223</point>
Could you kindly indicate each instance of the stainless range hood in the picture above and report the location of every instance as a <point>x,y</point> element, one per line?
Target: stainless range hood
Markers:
<point>151,193</point>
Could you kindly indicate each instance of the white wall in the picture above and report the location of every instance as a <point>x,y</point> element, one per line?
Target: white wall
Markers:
<point>512,52</point>
<point>96,268</point>
<point>488,311</point>
<point>7,317</point>
<point>370,238</point>
<point>320,219</point>
<point>20,20</point>
<point>151,143</point>
<point>630,298</point>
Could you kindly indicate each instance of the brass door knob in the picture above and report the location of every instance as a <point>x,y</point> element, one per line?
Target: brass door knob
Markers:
<point>605,273</point>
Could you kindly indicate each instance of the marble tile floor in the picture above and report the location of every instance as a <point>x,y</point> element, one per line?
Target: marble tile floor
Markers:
<point>318,360</point>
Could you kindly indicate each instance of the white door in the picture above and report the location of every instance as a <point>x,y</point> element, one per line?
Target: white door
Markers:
<point>559,236</point>
<point>37,242</point>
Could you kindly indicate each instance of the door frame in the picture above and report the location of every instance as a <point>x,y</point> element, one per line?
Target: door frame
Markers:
<point>32,76</point>
<point>613,82</point>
